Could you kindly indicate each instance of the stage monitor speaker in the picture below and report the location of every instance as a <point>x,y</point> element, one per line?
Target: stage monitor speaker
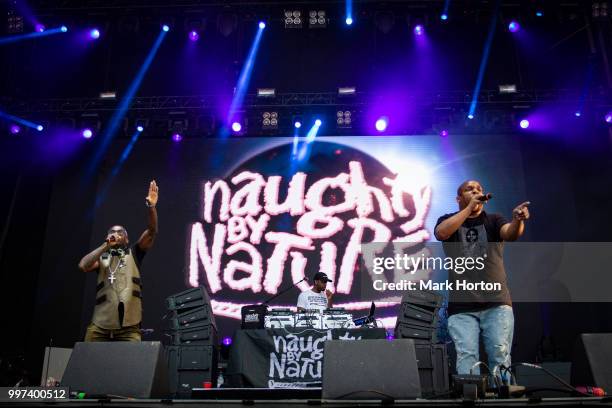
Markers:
<point>125,369</point>
<point>592,361</point>
<point>370,369</point>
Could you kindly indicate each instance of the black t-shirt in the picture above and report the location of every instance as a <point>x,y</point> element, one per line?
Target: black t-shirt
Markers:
<point>477,237</point>
<point>138,254</point>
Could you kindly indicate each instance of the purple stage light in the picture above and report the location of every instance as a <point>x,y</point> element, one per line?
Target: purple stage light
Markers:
<point>177,137</point>
<point>419,30</point>
<point>15,129</point>
<point>194,36</point>
<point>578,114</point>
<point>524,124</point>
<point>236,127</point>
<point>381,124</point>
<point>87,133</point>
<point>262,25</point>
<point>390,336</point>
<point>227,341</point>
<point>39,28</point>
<point>608,117</point>
<point>444,133</point>
<point>514,26</point>
<point>94,34</point>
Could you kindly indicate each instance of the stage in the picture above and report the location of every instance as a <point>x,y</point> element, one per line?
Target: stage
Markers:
<point>230,401</point>
<point>282,203</point>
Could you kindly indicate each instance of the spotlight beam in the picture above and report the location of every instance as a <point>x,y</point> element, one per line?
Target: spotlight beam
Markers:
<point>349,11</point>
<point>484,60</point>
<point>446,7</point>
<point>124,105</point>
<point>24,122</point>
<point>312,133</point>
<point>244,78</point>
<point>28,36</point>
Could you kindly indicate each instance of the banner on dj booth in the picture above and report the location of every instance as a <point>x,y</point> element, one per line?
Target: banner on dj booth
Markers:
<point>280,358</point>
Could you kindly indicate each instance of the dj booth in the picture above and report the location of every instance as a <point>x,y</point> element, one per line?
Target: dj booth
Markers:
<point>287,357</point>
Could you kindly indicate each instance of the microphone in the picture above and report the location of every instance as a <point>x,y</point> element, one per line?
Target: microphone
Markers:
<point>105,259</point>
<point>486,197</point>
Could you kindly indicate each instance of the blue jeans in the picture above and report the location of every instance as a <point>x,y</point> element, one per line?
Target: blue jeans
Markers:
<point>497,326</point>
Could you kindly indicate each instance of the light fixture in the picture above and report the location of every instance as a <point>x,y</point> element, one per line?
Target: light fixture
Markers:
<point>317,19</point>
<point>347,91</point>
<point>293,18</point>
<point>108,95</point>
<point>507,89</point>
<point>344,119</point>
<point>266,92</point>
<point>269,120</point>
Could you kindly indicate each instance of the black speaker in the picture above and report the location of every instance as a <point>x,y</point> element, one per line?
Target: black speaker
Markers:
<point>191,367</point>
<point>432,362</point>
<point>122,368</point>
<point>196,336</point>
<point>188,299</point>
<point>592,361</point>
<point>370,369</point>
<point>422,334</point>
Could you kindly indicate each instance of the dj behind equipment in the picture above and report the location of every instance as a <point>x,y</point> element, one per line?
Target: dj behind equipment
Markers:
<point>314,310</point>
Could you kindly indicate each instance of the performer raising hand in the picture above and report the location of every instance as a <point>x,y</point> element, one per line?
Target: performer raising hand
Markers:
<point>118,311</point>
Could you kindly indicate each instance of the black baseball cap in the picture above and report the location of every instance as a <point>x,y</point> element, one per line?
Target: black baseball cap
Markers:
<point>321,277</point>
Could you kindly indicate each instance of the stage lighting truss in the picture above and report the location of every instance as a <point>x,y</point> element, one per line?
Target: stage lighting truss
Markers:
<point>269,120</point>
<point>293,18</point>
<point>14,23</point>
<point>317,19</point>
<point>344,119</point>
<point>600,10</point>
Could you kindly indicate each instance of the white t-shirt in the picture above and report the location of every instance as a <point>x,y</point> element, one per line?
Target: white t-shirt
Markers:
<point>312,300</point>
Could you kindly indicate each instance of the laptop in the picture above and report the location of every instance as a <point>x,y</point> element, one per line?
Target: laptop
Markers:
<point>360,321</point>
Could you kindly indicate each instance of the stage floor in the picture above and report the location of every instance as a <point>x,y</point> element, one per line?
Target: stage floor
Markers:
<point>298,403</point>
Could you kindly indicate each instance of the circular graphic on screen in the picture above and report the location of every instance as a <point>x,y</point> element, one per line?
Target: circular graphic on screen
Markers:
<point>297,209</point>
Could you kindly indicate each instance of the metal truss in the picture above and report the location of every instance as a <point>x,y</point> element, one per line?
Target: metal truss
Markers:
<point>305,100</point>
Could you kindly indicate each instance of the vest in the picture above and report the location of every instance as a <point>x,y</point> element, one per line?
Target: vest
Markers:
<point>125,288</point>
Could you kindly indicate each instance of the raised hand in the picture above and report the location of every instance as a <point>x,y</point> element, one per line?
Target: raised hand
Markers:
<point>521,212</point>
<point>153,194</point>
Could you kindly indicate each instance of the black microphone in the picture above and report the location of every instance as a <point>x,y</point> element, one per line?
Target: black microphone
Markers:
<point>486,197</point>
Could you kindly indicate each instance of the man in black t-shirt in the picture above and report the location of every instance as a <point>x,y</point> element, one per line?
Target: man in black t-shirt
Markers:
<point>471,232</point>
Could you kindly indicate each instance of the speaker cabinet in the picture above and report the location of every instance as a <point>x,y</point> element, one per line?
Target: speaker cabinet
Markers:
<point>125,369</point>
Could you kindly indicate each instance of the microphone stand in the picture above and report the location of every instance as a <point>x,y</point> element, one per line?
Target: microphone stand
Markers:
<point>283,291</point>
